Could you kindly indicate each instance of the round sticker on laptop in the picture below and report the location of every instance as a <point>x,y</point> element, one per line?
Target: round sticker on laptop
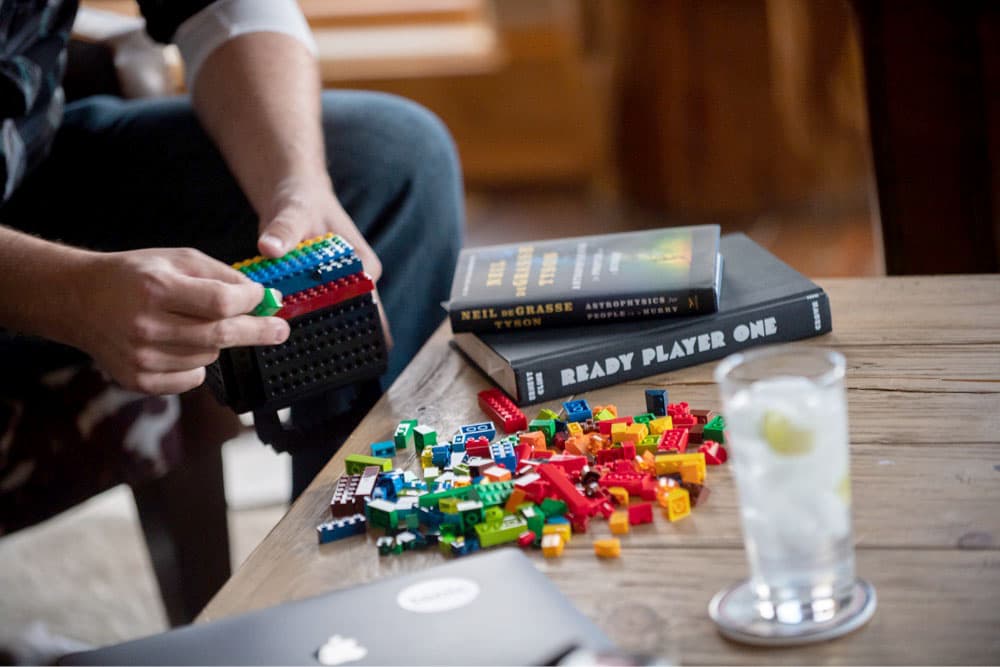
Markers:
<point>438,595</point>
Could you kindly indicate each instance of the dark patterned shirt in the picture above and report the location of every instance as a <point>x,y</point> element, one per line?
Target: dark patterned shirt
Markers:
<point>33,39</point>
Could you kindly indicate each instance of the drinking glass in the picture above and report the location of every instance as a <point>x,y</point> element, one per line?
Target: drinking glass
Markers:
<point>785,411</point>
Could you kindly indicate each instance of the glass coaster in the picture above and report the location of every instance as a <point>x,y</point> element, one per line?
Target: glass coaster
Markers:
<point>734,611</point>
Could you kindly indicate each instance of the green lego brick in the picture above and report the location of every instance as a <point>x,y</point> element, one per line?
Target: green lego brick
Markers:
<point>508,530</point>
<point>715,430</point>
<point>552,507</point>
<point>461,470</point>
<point>404,433</point>
<point>644,418</point>
<point>603,414</point>
<point>648,444</point>
<point>432,499</point>
<point>269,305</point>
<point>444,543</point>
<point>424,436</point>
<point>382,514</point>
<point>546,426</point>
<point>534,518</point>
<point>355,464</point>
<point>412,521</point>
<point>494,493</point>
<point>545,413</point>
<point>472,513</point>
<point>493,516</point>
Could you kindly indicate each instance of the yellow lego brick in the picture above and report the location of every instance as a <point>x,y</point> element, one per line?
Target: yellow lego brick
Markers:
<point>564,530</point>
<point>426,458</point>
<point>619,494</point>
<point>661,424</point>
<point>619,433</point>
<point>552,545</point>
<point>671,463</point>
<point>639,430</point>
<point>449,505</point>
<point>574,428</point>
<point>619,523</point>
<point>678,504</point>
<point>692,472</point>
<point>609,548</point>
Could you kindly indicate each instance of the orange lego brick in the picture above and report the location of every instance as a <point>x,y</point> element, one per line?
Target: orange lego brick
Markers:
<point>619,523</point>
<point>609,548</point>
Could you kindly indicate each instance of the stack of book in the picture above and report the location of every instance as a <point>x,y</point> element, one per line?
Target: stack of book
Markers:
<point>554,318</point>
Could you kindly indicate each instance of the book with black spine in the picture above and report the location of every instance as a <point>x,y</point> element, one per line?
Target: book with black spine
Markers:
<point>646,274</point>
<point>763,301</point>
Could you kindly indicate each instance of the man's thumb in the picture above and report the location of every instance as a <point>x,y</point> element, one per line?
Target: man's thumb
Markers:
<point>280,235</point>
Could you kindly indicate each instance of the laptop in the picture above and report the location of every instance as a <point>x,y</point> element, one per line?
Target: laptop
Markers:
<point>488,608</point>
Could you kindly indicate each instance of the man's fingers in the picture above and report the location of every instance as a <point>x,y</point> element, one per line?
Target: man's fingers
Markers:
<point>200,265</point>
<point>237,331</point>
<point>212,299</point>
<point>171,359</point>
<point>169,383</point>
<point>282,234</point>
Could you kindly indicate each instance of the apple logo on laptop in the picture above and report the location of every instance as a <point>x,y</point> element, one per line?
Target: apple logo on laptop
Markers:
<point>337,650</point>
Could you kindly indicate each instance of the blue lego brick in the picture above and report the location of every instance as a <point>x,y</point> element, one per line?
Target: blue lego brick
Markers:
<point>458,442</point>
<point>487,429</point>
<point>298,262</point>
<point>441,455</point>
<point>657,401</point>
<point>385,449</point>
<point>336,269</point>
<point>338,529</point>
<point>503,453</point>
<point>578,410</point>
<point>430,517</point>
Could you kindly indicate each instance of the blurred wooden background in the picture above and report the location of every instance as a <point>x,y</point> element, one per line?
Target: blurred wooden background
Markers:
<point>582,116</point>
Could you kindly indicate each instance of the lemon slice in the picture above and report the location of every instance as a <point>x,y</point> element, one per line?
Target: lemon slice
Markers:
<point>783,436</point>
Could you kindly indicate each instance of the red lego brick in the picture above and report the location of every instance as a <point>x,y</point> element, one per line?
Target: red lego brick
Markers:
<point>628,450</point>
<point>523,451</point>
<point>478,447</point>
<point>535,491</point>
<point>542,454</point>
<point>610,455</point>
<point>685,421</point>
<point>640,513</point>
<point>560,485</point>
<point>633,482</point>
<point>715,454</point>
<point>696,434</point>
<point>674,440</point>
<point>678,409</point>
<point>559,441</point>
<point>526,539</point>
<point>501,410</point>
<point>579,522</point>
<point>345,501</point>
<point>322,296</point>
<point>605,425</point>
<point>571,465</point>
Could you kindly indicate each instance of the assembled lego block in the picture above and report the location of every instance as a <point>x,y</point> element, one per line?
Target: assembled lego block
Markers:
<point>338,529</point>
<point>715,454</point>
<point>356,463</point>
<point>678,504</point>
<point>317,297</point>
<point>546,413</point>
<point>674,440</point>
<point>385,449</point>
<point>481,429</point>
<point>672,463</point>
<point>715,430</point>
<point>424,436</point>
<point>269,305</point>
<point>552,545</point>
<point>296,270</point>
<point>502,410</point>
<point>609,548</point>
<point>577,411</point>
<point>619,523</point>
<point>640,513</point>
<point>656,401</point>
<point>404,433</point>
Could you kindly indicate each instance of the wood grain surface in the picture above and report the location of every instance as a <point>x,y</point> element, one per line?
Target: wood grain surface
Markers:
<point>924,401</point>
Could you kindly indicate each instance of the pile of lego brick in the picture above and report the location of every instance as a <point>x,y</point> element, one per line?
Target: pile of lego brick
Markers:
<point>537,486</point>
<point>336,335</point>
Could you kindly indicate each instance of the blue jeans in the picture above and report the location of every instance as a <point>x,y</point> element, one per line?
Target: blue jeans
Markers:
<point>137,174</point>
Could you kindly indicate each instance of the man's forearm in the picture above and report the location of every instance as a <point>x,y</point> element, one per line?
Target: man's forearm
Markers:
<point>35,279</point>
<point>258,96</point>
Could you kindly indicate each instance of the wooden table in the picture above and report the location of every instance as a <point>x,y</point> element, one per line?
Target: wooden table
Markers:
<point>924,393</point>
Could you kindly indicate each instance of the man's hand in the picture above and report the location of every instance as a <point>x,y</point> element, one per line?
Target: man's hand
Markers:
<point>301,211</point>
<point>155,318</point>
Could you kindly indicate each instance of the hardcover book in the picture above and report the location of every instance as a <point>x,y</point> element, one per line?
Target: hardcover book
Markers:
<point>588,279</point>
<point>763,301</point>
